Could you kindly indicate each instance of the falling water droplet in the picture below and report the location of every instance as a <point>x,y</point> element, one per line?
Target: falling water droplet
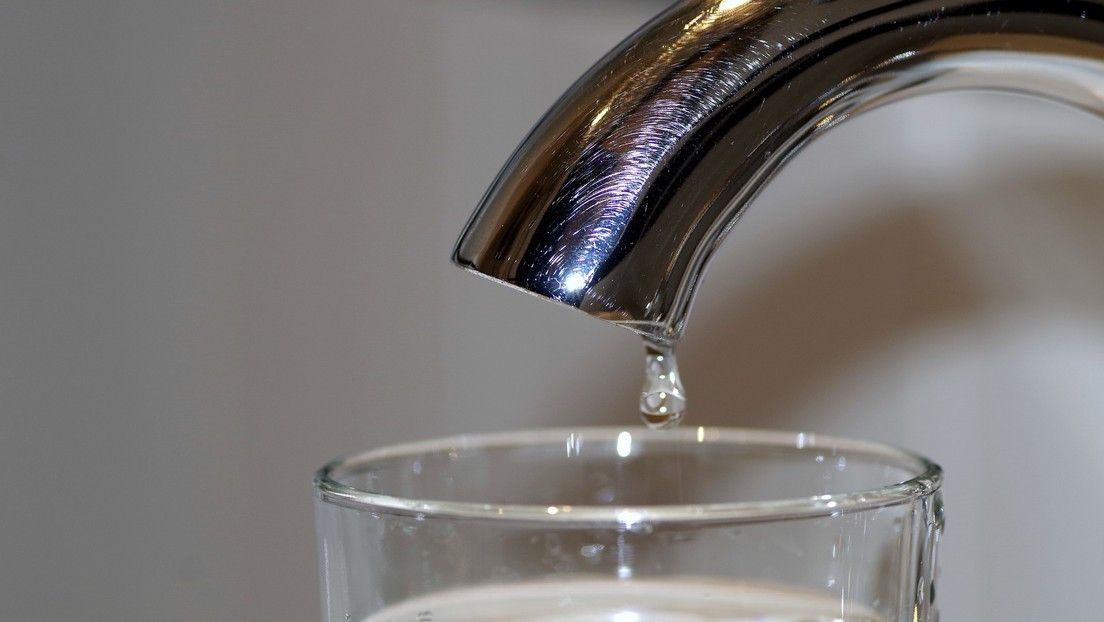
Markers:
<point>663,400</point>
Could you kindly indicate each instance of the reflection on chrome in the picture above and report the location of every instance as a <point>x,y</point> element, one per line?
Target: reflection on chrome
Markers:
<point>617,199</point>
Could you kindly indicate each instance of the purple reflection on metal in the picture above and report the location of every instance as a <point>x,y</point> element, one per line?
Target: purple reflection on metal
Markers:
<point>604,193</point>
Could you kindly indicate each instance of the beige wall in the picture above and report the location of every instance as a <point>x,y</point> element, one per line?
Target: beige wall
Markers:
<point>224,231</point>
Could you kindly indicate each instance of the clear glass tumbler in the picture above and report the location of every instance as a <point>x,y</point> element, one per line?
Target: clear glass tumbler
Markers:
<point>630,525</point>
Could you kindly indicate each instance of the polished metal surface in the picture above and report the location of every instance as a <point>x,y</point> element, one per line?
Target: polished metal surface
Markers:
<point>616,200</point>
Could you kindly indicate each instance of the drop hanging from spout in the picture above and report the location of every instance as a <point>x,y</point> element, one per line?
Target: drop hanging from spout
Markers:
<point>662,398</point>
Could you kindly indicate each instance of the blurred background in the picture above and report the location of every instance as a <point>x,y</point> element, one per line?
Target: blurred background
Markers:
<point>224,241</point>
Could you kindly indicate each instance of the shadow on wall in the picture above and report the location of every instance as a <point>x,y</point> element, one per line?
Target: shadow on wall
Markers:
<point>898,273</point>
<point>822,312</point>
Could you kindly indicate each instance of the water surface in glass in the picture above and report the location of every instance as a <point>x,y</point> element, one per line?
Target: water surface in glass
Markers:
<point>621,601</point>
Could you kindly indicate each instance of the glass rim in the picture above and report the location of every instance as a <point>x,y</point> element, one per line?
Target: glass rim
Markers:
<point>927,481</point>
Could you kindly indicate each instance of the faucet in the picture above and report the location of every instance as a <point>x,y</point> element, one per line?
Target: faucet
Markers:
<point>618,197</point>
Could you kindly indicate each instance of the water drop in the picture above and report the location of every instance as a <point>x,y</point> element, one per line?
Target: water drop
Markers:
<point>663,399</point>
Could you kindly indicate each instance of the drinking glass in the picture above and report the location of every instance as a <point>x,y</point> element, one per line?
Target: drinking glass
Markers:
<point>630,525</point>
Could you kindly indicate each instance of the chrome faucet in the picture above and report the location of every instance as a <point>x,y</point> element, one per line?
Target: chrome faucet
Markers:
<point>620,194</point>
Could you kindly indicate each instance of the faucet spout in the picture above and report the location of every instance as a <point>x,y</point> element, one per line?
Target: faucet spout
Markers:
<point>617,198</point>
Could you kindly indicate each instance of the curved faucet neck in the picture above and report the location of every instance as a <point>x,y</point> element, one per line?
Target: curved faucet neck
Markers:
<point>618,197</point>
